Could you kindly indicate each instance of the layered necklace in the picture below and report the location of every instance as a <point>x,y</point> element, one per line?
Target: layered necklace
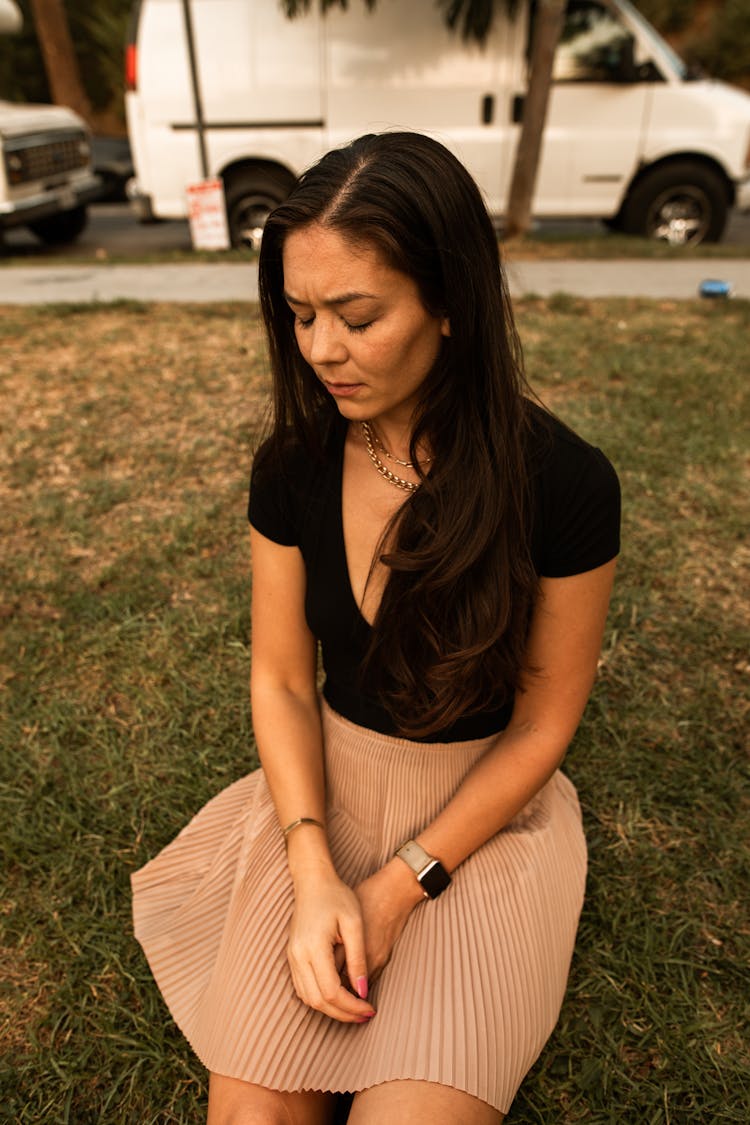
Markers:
<point>371,441</point>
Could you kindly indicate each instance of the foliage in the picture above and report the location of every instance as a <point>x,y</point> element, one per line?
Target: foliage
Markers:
<point>124,652</point>
<point>725,52</point>
<point>22,76</point>
<point>297,7</point>
<point>668,15</point>
<point>473,17</point>
<point>98,32</point>
<point>713,35</point>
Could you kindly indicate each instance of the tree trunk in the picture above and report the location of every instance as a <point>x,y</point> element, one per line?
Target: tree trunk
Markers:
<point>548,24</point>
<point>60,62</point>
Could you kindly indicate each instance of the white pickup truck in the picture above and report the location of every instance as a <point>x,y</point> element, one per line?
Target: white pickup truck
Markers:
<point>46,175</point>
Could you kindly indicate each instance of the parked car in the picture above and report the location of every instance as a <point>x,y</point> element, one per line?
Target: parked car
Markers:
<point>46,174</point>
<point>113,165</point>
<point>252,97</point>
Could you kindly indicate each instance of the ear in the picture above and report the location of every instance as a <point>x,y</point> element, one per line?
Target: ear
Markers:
<point>445,326</point>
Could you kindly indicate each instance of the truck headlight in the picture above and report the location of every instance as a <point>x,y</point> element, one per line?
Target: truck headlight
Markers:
<point>14,168</point>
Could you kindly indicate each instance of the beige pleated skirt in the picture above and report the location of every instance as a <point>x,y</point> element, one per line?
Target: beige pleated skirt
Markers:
<point>474,986</point>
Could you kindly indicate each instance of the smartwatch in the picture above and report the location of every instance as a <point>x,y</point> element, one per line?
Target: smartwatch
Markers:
<point>430,873</point>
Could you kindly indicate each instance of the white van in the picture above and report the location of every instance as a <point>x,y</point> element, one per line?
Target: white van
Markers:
<point>231,88</point>
<point>46,177</point>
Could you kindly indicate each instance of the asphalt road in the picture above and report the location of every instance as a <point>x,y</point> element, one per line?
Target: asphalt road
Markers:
<point>114,231</point>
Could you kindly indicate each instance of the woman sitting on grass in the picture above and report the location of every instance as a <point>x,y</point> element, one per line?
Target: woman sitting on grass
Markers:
<point>389,905</point>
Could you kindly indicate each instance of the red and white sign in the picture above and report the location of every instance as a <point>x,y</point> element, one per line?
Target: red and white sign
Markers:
<point>207,213</point>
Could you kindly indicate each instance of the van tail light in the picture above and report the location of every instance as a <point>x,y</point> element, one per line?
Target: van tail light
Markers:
<point>131,67</point>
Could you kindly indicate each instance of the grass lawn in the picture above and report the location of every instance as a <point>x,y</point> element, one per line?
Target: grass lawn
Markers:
<point>124,655</point>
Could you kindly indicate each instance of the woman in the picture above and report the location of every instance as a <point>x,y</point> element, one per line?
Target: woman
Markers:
<point>389,906</point>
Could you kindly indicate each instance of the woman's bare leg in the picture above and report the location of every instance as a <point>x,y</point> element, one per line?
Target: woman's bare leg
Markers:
<point>232,1102</point>
<point>420,1103</point>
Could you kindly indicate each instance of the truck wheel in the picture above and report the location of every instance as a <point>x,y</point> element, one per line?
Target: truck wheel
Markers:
<point>680,203</point>
<point>61,228</point>
<point>251,196</point>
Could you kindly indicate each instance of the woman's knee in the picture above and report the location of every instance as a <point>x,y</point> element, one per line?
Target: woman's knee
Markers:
<point>412,1102</point>
<point>234,1102</point>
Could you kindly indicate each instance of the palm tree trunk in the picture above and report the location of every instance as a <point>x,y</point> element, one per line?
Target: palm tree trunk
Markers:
<point>60,62</point>
<point>548,24</point>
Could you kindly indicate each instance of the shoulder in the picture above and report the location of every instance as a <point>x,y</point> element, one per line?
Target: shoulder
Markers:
<point>286,476</point>
<point>575,495</point>
<point>554,447</point>
<point>560,460</point>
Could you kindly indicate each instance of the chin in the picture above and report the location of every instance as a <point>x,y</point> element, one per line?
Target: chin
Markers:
<point>353,411</point>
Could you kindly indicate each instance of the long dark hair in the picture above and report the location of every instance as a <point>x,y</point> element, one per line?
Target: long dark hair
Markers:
<point>449,636</point>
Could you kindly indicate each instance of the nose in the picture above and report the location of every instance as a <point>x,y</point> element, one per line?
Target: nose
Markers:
<point>326,343</point>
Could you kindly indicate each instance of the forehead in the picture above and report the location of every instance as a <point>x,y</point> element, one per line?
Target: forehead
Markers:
<point>322,260</point>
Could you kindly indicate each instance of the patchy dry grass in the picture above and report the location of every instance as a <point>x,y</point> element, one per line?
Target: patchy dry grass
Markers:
<point>127,434</point>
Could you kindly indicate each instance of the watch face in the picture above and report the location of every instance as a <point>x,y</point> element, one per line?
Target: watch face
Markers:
<point>435,879</point>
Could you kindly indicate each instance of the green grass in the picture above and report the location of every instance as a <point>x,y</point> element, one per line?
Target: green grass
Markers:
<point>124,656</point>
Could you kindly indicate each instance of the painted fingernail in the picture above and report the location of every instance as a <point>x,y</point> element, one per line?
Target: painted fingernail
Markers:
<point>362,988</point>
<point>365,1019</point>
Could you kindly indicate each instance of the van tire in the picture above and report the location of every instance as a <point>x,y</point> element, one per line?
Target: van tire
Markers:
<point>681,203</point>
<point>251,195</point>
<point>62,228</point>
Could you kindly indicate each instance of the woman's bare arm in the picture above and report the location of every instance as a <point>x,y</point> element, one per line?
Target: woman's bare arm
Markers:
<point>564,645</point>
<point>286,721</point>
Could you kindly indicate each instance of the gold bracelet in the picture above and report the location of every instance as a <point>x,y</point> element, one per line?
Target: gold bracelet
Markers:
<point>302,820</point>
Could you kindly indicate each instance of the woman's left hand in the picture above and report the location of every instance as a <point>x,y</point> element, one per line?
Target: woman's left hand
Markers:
<point>387,899</point>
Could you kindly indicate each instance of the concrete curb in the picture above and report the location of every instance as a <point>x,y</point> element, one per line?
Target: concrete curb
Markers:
<point>205,282</point>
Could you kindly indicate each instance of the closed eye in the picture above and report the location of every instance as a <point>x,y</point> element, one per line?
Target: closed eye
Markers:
<point>306,322</point>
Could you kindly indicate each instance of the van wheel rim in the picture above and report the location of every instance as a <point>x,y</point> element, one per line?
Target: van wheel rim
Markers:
<point>680,216</point>
<point>249,222</point>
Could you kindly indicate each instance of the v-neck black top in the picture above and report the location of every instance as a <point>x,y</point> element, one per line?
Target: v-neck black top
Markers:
<point>575,528</point>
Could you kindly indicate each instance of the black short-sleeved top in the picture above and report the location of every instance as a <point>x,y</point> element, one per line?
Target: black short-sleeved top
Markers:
<point>576,527</point>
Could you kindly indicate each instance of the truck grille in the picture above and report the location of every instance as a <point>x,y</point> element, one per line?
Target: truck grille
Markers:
<point>44,156</point>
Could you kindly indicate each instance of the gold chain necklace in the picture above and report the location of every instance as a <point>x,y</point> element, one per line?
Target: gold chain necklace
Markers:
<point>391,456</point>
<point>385,472</point>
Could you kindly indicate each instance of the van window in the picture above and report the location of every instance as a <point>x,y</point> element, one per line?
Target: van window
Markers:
<point>594,46</point>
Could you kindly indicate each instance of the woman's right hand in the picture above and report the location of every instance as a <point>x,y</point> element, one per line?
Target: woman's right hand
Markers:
<point>327,931</point>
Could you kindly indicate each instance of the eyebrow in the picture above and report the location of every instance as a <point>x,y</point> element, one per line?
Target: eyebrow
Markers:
<point>344,299</point>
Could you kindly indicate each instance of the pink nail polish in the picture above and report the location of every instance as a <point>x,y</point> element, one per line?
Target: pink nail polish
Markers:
<point>362,988</point>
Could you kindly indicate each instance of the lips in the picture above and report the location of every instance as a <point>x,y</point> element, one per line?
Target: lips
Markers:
<point>339,390</point>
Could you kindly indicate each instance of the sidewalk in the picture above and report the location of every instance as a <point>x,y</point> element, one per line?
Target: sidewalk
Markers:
<point>204,282</point>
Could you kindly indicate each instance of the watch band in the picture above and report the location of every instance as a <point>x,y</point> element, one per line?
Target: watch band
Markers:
<point>430,873</point>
